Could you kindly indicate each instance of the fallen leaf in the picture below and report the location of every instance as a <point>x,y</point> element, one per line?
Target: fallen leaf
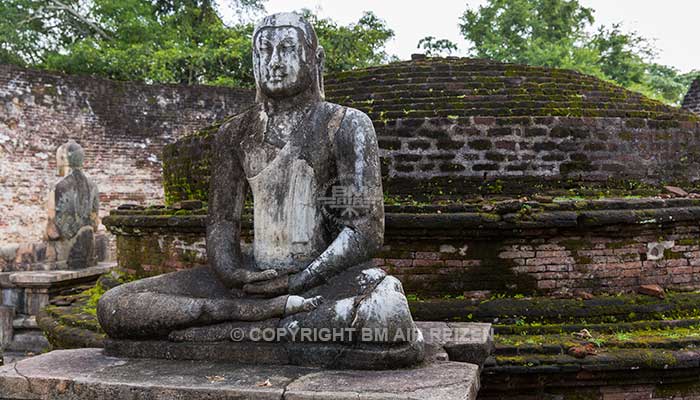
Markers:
<point>583,334</point>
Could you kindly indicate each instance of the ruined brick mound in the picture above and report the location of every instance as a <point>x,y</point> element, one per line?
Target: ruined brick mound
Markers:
<point>454,126</point>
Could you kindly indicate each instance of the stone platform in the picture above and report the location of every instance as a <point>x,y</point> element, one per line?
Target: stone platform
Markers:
<point>25,293</point>
<point>442,341</point>
<point>89,374</point>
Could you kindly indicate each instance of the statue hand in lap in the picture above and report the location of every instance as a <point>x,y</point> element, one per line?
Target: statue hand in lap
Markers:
<point>293,283</point>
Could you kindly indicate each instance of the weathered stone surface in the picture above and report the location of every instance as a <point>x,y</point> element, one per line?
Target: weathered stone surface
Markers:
<point>29,292</point>
<point>327,355</point>
<point>310,266</point>
<point>7,315</point>
<point>29,341</point>
<point>88,374</point>
<point>439,250</point>
<point>445,124</point>
<point>466,342</point>
<point>50,278</point>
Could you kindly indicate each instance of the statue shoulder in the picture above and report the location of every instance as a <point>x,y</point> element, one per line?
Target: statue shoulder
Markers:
<point>64,184</point>
<point>354,115</point>
<point>234,128</point>
<point>355,122</point>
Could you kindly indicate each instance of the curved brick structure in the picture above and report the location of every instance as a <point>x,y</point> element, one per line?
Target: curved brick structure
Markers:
<point>600,246</point>
<point>454,126</point>
<point>691,102</point>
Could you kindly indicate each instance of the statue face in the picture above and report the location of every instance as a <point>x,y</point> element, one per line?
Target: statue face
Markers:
<point>282,62</point>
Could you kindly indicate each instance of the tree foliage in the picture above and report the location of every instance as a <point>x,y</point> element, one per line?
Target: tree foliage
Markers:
<point>433,47</point>
<point>357,45</point>
<point>165,41</point>
<point>556,33</point>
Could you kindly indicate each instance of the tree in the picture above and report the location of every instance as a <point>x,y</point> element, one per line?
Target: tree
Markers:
<point>165,41</point>
<point>434,48</point>
<point>554,33</point>
<point>357,45</point>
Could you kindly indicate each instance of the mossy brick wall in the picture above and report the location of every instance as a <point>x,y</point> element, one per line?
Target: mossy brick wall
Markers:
<point>455,126</point>
<point>122,126</point>
<point>691,102</point>
<point>551,253</point>
<point>151,255</point>
<point>470,120</point>
<point>598,261</point>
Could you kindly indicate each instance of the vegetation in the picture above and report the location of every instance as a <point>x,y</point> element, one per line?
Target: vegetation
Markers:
<point>433,47</point>
<point>557,33</point>
<point>164,41</point>
<point>188,41</point>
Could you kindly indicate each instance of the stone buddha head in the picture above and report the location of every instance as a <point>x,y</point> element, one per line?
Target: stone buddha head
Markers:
<point>69,156</point>
<point>287,60</point>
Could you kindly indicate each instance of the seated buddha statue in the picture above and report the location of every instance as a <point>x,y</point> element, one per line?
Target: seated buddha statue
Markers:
<point>73,208</point>
<point>314,173</point>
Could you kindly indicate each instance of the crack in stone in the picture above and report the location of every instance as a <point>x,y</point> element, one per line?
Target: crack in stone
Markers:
<point>29,382</point>
<point>362,297</point>
<point>284,389</point>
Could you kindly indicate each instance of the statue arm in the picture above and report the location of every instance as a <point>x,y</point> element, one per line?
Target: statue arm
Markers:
<point>357,155</point>
<point>95,212</point>
<point>52,232</point>
<point>226,198</point>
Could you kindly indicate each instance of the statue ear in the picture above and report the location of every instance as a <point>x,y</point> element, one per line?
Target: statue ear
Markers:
<point>320,65</point>
<point>320,57</point>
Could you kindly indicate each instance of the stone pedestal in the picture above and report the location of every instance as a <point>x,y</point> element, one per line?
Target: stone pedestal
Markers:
<point>462,341</point>
<point>7,315</point>
<point>89,374</point>
<point>28,292</point>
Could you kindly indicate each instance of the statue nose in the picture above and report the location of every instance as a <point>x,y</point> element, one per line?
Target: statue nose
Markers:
<point>275,60</point>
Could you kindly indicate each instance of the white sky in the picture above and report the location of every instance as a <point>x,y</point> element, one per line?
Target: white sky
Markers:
<point>673,24</point>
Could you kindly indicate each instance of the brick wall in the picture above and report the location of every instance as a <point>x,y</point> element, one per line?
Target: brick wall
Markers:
<point>596,261</point>
<point>691,102</point>
<point>121,125</point>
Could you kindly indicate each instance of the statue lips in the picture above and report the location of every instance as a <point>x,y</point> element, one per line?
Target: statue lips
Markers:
<point>277,78</point>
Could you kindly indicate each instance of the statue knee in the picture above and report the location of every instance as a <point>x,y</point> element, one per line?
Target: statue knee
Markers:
<point>386,311</point>
<point>112,313</point>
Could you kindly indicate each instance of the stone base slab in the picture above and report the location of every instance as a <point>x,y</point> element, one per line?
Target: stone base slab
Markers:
<point>89,374</point>
<point>322,355</point>
<point>461,341</point>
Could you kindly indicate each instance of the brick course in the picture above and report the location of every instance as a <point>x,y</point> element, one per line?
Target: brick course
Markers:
<point>452,256</point>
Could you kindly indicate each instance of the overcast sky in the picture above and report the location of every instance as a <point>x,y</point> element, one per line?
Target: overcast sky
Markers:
<point>674,24</point>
